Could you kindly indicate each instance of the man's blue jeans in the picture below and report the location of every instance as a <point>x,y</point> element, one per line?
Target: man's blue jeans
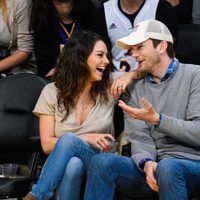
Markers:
<point>67,147</point>
<point>176,178</point>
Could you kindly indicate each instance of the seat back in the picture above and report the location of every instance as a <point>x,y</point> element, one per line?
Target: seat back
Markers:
<point>18,96</point>
<point>188,44</point>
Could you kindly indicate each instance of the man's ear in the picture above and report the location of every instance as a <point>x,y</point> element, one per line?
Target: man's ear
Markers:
<point>162,47</point>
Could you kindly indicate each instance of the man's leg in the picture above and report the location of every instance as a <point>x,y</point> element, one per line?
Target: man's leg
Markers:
<point>178,178</point>
<point>108,172</point>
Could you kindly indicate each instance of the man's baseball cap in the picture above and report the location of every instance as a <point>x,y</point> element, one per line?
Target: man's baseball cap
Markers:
<point>149,29</point>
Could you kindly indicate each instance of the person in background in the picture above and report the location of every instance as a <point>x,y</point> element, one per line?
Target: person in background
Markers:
<point>183,10</point>
<point>196,12</point>
<point>162,123</point>
<point>16,42</point>
<point>76,115</point>
<point>117,18</point>
<point>53,23</point>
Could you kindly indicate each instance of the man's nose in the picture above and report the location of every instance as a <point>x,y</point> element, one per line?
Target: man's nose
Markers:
<point>134,53</point>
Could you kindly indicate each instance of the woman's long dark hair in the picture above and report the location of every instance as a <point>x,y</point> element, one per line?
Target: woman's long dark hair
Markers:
<point>73,72</point>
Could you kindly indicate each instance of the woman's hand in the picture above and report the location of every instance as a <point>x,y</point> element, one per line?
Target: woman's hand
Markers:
<point>97,140</point>
<point>119,85</point>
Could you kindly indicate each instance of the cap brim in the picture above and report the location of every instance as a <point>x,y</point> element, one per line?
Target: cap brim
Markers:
<point>130,40</point>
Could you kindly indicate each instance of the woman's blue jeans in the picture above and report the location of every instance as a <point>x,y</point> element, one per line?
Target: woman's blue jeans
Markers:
<point>176,178</point>
<point>70,185</point>
<point>67,147</point>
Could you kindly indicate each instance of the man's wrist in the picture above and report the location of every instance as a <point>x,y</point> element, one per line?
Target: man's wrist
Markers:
<point>160,119</point>
<point>155,119</point>
<point>143,162</point>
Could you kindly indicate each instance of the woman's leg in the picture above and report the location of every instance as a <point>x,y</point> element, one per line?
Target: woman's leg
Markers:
<point>69,188</point>
<point>68,146</point>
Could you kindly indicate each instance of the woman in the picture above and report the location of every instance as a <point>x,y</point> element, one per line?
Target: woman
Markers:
<point>52,22</point>
<point>78,109</point>
<point>16,42</point>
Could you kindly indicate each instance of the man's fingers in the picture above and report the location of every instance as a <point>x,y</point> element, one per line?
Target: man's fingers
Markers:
<point>124,106</point>
<point>153,186</point>
<point>130,110</point>
<point>150,168</point>
<point>146,104</point>
<point>121,104</point>
<point>151,181</point>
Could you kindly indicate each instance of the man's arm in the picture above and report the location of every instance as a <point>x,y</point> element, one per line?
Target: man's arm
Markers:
<point>138,134</point>
<point>183,130</point>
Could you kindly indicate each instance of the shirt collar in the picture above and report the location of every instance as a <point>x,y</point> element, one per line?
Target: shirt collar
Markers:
<point>169,72</point>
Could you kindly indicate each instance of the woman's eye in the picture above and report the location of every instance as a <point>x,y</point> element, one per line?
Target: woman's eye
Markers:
<point>100,55</point>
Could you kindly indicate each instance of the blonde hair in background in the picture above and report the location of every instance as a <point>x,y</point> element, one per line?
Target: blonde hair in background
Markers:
<point>3,7</point>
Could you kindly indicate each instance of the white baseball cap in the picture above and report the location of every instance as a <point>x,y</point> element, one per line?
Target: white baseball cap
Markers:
<point>149,29</point>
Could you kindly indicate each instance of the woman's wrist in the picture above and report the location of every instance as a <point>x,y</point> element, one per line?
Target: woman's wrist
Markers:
<point>83,137</point>
<point>136,75</point>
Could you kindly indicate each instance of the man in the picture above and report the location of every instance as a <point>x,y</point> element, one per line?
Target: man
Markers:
<point>117,18</point>
<point>162,123</point>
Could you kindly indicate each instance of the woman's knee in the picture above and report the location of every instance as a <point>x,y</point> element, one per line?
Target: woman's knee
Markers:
<point>75,168</point>
<point>66,140</point>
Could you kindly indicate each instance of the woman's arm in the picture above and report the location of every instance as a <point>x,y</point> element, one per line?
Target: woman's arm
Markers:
<point>13,60</point>
<point>47,133</point>
<point>122,80</point>
<point>99,141</point>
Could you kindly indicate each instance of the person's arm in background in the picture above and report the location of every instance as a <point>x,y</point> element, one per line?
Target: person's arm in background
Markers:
<point>24,37</point>
<point>13,60</point>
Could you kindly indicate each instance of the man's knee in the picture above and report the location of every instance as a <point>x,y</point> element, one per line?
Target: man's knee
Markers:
<point>102,162</point>
<point>168,170</point>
